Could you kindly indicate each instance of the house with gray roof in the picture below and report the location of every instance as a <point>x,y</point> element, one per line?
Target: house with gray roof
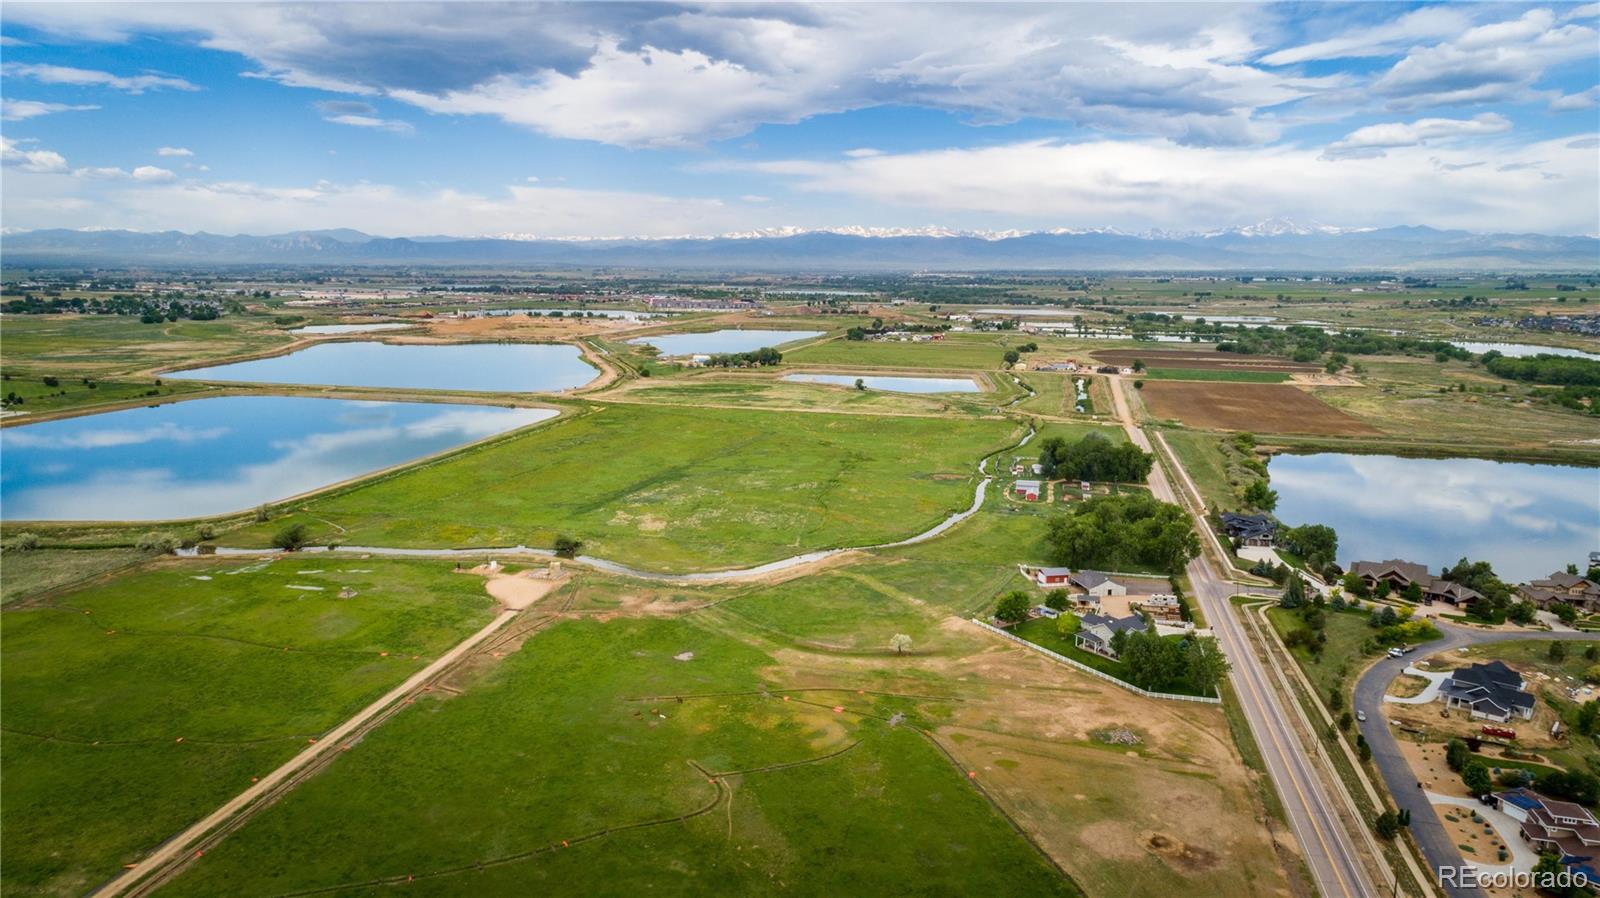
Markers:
<point>1250,529</point>
<point>1562,588</point>
<point>1099,630</point>
<point>1490,691</point>
<point>1098,583</point>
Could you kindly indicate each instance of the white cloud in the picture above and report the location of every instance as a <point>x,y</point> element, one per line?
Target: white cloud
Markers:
<point>56,74</point>
<point>18,110</point>
<point>358,114</point>
<point>366,121</point>
<point>120,199</point>
<point>673,75</point>
<point>1431,22</point>
<point>1144,184</point>
<point>174,151</point>
<point>1489,63</point>
<point>148,174</point>
<point>1374,140</point>
<point>1577,102</point>
<point>30,160</point>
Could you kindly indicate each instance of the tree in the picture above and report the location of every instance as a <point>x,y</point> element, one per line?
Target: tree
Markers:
<point>1056,600</point>
<point>291,537</point>
<point>1346,721</point>
<point>901,643</point>
<point>1412,593</point>
<point>1138,364</point>
<point>1119,532</point>
<point>1476,777</point>
<point>1387,825</point>
<point>1067,625</point>
<point>1335,699</point>
<point>1588,719</point>
<point>1521,612</point>
<point>1013,607</point>
<point>1012,357</point>
<point>1152,662</point>
<point>1550,879</point>
<point>1318,544</point>
<point>1564,612</point>
<point>1363,750</point>
<point>861,384</point>
<point>1354,585</point>
<point>1258,495</point>
<point>1207,665</point>
<point>1592,653</point>
<point>1557,651</point>
<point>1456,755</point>
<point>1294,592</point>
<point>567,546</point>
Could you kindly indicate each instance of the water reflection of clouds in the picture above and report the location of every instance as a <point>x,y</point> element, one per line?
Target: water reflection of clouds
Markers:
<point>1526,519</point>
<point>198,485</point>
<point>169,432</point>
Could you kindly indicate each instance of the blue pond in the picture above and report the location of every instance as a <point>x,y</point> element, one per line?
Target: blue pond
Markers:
<point>726,340</point>
<point>213,456</point>
<point>1525,520</point>
<point>483,367</point>
<point>892,384</point>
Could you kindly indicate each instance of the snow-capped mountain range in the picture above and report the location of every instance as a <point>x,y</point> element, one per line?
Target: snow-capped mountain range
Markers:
<point>1272,245</point>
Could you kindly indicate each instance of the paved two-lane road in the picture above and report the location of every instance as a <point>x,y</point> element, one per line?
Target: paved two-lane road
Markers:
<point>1330,851</point>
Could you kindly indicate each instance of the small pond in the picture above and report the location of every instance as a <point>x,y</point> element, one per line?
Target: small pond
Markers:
<point>892,384</point>
<point>483,367</point>
<point>726,340</point>
<point>1524,350</point>
<point>1526,520</point>
<point>213,456</point>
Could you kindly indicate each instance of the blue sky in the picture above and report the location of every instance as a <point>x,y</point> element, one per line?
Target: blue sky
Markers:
<point>621,119</point>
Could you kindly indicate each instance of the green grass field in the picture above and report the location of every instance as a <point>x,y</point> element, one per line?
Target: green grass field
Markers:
<point>135,707</point>
<point>1342,655</point>
<point>73,346</point>
<point>675,489</point>
<point>777,394</point>
<point>957,351</point>
<point>38,397</point>
<point>25,574</point>
<point>560,743</point>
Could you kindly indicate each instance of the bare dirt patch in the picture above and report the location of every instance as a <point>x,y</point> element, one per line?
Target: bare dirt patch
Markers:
<point>1262,408</point>
<point>518,591</point>
<point>1186,857</point>
<point>1202,359</point>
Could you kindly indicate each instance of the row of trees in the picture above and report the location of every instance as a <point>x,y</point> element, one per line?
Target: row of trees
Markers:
<point>1122,532</point>
<point>1094,457</point>
<point>1559,370</point>
<point>762,357</point>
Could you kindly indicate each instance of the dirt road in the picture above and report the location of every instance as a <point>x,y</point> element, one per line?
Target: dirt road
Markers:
<point>181,846</point>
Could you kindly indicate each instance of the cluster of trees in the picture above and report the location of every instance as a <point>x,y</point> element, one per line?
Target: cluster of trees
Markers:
<point>1304,343</point>
<point>766,355</point>
<point>1559,370</point>
<point>1121,532</point>
<point>1094,458</point>
<point>1162,664</point>
<point>148,309</point>
<point>1317,544</point>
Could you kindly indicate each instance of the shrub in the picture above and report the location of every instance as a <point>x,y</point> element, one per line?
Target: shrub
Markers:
<point>291,537</point>
<point>23,542</point>
<point>157,542</point>
<point>204,532</point>
<point>567,546</point>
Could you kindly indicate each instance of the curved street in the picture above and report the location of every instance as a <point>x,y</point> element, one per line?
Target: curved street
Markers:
<point>1437,847</point>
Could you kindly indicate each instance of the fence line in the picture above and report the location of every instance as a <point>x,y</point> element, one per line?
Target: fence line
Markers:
<point>1057,656</point>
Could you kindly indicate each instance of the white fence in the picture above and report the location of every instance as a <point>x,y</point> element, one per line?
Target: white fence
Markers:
<point>1057,656</point>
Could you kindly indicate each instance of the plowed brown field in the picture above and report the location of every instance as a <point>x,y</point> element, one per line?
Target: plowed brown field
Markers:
<point>1262,408</point>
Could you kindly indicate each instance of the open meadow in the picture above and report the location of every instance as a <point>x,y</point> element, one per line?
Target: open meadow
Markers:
<point>136,706</point>
<point>674,489</point>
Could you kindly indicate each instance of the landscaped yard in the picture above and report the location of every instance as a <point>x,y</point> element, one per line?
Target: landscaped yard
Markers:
<point>134,707</point>
<point>1043,631</point>
<point>675,489</point>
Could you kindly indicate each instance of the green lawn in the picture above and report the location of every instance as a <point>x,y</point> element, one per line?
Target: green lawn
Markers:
<point>554,744</point>
<point>1043,631</point>
<point>1201,455</point>
<point>1218,374</point>
<point>135,707</point>
<point>1341,656</point>
<point>675,489</point>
